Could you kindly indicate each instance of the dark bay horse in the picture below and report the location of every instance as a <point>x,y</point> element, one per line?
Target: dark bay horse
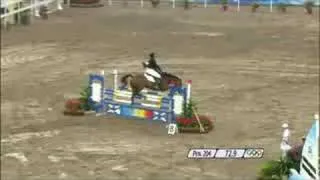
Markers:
<point>138,82</point>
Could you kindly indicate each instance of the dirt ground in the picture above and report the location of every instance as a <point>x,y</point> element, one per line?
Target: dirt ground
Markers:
<point>251,72</point>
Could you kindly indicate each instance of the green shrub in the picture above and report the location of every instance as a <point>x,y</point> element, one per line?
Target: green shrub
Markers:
<point>188,109</point>
<point>276,169</point>
<point>224,2</point>
<point>282,7</point>
<point>85,97</point>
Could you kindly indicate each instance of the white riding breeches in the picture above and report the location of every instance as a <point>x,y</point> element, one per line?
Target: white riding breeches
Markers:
<point>149,78</point>
<point>150,74</point>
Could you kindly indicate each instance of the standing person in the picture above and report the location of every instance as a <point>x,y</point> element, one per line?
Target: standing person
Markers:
<point>285,146</point>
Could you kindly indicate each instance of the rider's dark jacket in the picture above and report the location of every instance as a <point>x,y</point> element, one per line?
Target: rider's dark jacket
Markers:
<point>152,63</point>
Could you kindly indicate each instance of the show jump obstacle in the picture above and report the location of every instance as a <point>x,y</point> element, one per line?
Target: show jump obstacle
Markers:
<point>152,105</point>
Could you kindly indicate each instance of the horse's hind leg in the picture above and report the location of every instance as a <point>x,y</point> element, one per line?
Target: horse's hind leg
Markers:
<point>132,99</point>
<point>133,95</point>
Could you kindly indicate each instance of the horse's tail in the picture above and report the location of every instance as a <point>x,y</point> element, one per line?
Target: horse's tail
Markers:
<point>123,80</point>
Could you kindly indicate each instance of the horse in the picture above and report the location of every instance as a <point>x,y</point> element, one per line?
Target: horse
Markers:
<point>138,82</point>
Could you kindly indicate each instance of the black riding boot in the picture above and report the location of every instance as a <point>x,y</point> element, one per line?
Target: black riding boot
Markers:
<point>157,83</point>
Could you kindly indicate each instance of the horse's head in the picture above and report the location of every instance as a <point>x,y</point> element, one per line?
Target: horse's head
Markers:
<point>172,79</point>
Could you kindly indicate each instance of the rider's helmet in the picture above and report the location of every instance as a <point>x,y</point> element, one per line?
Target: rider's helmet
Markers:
<point>152,61</point>
<point>151,55</point>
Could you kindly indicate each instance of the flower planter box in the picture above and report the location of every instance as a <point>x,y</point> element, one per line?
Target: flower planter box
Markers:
<point>194,130</point>
<point>282,8</point>
<point>224,8</point>
<point>191,125</point>
<point>85,2</point>
<point>77,107</point>
<point>254,7</point>
<point>74,113</point>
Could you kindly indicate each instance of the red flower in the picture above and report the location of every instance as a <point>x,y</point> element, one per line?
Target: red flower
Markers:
<point>193,122</point>
<point>73,104</point>
<point>184,121</point>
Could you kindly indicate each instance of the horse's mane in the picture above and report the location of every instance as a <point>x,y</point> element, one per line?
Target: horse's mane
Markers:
<point>170,75</point>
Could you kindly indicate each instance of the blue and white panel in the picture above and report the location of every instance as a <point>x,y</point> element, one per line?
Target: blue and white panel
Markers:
<point>96,83</point>
<point>160,115</point>
<point>309,166</point>
<point>113,108</point>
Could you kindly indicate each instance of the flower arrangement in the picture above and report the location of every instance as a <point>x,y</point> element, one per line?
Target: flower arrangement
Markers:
<point>282,7</point>
<point>186,4</point>
<point>190,122</point>
<point>254,7</point>
<point>224,5</point>
<point>77,106</point>
<point>308,5</point>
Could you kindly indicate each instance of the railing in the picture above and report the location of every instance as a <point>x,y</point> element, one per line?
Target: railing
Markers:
<point>16,7</point>
<point>206,3</point>
<point>32,6</point>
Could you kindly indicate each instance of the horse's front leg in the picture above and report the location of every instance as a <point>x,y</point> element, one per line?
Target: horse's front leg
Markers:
<point>122,86</point>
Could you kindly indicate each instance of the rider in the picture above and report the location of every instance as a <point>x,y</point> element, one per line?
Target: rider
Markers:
<point>152,71</point>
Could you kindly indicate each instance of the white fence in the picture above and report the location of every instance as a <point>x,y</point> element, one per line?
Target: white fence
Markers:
<point>176,3</point>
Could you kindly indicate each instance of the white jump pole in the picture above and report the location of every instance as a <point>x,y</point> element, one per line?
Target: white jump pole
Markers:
<point>173,3</point>
<point>141,3</point>
<point>115,79</point>
<point>238,8</point>
<point>110,2</point>
<point>36,10</point>
<point>271,4</point>
<point>205,4</point>
<point>59,6</point>
<point>188,91</point>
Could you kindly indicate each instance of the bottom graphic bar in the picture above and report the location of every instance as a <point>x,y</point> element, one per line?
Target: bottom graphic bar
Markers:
<point>226,153</point>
